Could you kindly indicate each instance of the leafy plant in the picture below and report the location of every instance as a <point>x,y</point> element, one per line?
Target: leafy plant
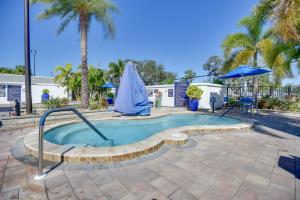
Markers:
<point>56,103</point>
<point>233,102</point>
<point>103,103</point>
<point>110,95</point>
<point>45,91</point>
<point>94,104</point>
<point>193,92</point>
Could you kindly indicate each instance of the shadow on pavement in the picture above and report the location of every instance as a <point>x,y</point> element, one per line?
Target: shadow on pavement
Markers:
<point>290,164</point>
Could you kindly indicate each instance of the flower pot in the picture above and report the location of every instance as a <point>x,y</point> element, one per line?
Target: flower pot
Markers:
<point>110,100</point>
<point>193,104</point>
<point>45,97</point>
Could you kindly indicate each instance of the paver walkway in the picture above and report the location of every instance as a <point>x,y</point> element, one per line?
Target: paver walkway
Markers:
<point>247,165</point>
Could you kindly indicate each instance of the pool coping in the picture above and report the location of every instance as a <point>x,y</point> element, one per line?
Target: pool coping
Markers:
<point>88,154</point>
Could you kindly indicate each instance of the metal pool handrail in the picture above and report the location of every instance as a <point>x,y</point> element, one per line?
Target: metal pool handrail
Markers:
<point>41,134</point>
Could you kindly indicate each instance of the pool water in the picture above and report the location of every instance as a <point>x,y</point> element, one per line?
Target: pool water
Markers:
<point>128,131</point>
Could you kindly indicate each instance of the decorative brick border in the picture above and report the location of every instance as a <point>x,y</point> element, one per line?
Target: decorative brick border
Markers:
<point>70,154</point>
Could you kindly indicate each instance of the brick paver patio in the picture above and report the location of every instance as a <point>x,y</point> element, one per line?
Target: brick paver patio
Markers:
<point>247,165</point>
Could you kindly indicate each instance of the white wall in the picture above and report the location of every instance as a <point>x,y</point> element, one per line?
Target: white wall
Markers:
<point>166,100</point>
<point>36,91</point>
<point>210,90</point>
<point>54,91</point>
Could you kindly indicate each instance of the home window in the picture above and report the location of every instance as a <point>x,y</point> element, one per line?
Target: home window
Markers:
<point>150,92</point>
<point>2,91</point>
<point>170,92</point>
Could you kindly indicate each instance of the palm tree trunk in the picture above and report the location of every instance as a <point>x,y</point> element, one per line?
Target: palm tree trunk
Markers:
<point>84,67</point>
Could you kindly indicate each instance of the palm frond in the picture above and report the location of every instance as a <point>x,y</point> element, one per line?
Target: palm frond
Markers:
<point>228,63</point>
<point>243,57</point>
<point>237,40</point>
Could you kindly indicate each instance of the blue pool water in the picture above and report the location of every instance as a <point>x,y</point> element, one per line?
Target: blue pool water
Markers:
<point>128,131</point>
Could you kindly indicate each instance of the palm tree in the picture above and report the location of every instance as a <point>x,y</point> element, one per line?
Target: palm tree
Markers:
<point>244,48</point>
<point>96,79</point>
<point>75,84</point>
<point>82,11</point>
<point>115,71</point>
<point>63,75</point>
<point>284,16</point>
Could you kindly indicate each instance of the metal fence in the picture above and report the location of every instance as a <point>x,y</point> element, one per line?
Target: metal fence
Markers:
<point>247,91</point>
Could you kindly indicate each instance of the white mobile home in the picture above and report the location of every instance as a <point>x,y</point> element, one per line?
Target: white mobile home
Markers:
<point>12,87</point>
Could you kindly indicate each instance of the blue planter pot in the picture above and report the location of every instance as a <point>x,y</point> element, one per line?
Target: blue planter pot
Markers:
<point>45,96</point>
<point>193,104</point>
<point>110,100</point>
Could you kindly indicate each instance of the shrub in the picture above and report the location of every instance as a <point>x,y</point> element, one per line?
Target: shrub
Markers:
<point>103,103</point>
<point>94,105</point>
<point>64,101</point>
<point>193,92</point>
<point>110,95</point>
<point>56,103</point>
<point>233,102</point>
<point>45,91</point>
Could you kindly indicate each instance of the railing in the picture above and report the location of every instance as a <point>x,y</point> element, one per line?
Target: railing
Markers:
<point>247,91</point>
<point>41,135</point>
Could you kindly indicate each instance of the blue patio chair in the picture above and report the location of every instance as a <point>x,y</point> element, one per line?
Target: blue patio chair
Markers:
<point>225,101</point>
<point>247,104</point>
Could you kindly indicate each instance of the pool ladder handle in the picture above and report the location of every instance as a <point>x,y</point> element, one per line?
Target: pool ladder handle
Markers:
<point>41,175</point>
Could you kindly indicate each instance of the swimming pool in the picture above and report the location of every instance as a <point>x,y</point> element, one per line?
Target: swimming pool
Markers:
<point>128,131</point>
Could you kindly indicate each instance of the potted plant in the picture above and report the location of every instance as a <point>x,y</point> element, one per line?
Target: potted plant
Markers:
<point>110,98</point>
<point>45,96</point>
<point>194,93</point>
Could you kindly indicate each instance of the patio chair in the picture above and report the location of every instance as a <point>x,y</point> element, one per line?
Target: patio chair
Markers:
<point>246,104</point>
<point>225,102</point>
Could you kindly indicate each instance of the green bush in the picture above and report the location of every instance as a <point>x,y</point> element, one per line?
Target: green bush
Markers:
<point>45,91</point>
<point>102,103</point>
<point>193,92</point>
<point>56,103</point>
<point>110,95</point>
<point>94,105</point>
<point>233,102</point>
<point>286,104</point>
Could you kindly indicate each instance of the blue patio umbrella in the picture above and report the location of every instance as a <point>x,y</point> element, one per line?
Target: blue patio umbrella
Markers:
<point>108,85</point>
<point>245,70</point>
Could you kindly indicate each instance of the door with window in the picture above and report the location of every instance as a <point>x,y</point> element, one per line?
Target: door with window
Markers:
<point>14,93</point>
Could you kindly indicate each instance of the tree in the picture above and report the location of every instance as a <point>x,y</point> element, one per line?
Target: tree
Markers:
<point>213,65</point>
<point>96,80</point>
<point>115,71</point>
<point>19,70</point>
<point>75,84</point>
<point>284,17</point>
<point>244,48</point>
<point>63,76</point>
<point>189,75</point>
<point>82,11</point>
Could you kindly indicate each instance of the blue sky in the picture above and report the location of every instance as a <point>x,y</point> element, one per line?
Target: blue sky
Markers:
<point>181,34</point>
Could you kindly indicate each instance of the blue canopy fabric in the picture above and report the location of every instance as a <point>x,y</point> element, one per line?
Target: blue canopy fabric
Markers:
<point>108,85</point>
<point>245,70</point>
<point>132,97</point>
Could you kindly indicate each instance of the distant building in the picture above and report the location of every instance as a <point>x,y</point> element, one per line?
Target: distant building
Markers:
<point>12,87</point>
